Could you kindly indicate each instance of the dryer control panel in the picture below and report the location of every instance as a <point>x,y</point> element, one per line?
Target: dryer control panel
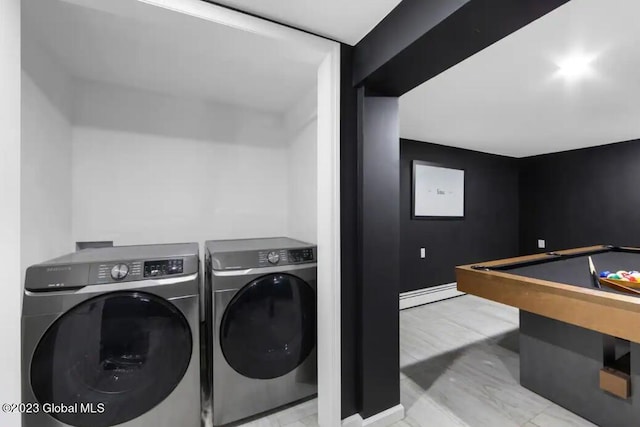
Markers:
<point>301,255</point>
<point>270,252</point>
<point>270,258</point>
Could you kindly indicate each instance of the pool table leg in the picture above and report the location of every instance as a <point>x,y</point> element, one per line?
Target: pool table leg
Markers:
<point>562,362</point>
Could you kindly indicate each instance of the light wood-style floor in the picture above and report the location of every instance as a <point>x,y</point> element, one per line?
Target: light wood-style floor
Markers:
<point>459,367</point>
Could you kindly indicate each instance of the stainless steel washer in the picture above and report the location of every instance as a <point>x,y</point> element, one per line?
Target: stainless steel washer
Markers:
<point>110,336</point>
<point>262,301</point>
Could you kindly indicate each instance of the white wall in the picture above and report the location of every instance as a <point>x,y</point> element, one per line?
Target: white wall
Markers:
<point>46,157</point>
<point>302,129</point>
<point>153,168</point>
<point>10,206</point>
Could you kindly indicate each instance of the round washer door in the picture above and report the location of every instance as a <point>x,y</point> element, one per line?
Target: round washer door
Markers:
<point>126,350</point>
<point>269,327</point>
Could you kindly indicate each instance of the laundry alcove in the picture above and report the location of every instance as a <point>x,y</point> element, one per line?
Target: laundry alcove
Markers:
<point>161,128</point>
<point>148,122</point>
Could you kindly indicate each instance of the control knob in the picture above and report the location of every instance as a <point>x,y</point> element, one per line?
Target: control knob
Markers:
<point>273,257</point>
<point>119,271</point>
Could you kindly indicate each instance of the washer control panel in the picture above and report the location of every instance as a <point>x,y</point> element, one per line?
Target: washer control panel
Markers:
<point>125,271</point>
<point>85,268</point>
<point>165,267</point>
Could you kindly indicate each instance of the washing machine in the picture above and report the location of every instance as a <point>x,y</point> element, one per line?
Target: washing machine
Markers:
<point>110,336</point>
<point>263,326</point>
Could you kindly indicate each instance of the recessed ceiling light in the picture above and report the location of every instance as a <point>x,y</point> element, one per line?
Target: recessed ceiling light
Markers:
<point>576,66</point>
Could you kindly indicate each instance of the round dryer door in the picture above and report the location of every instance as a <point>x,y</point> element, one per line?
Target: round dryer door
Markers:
<point>269,327</point>
<point>125,350</point>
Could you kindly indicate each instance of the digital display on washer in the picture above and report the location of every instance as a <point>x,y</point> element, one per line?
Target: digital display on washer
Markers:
<point>301,255</point>
<point>163,267</point>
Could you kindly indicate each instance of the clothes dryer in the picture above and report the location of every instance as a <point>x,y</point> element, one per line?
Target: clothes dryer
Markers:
<point>262,301</point>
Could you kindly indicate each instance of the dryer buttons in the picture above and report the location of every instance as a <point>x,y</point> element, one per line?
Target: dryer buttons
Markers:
<point>273,257</point>
<point>301,255</point>
<point>119,271</point>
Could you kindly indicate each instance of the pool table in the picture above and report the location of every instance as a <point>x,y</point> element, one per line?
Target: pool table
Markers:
<point>579,345</point>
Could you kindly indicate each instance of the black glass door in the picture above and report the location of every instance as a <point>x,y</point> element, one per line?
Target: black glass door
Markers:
<point>269,327</point>
<point>126,350</point>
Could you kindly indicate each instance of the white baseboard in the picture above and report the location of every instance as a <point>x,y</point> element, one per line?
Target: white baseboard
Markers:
<point>427,295</point>
<point>385,418</point>
<point>354,420</point>
<point>381,419</point>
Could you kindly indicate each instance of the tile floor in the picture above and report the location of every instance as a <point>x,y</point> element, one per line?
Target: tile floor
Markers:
<point>459,367</point>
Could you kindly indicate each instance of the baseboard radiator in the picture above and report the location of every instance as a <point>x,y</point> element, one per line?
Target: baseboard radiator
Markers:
<point>428,295</point>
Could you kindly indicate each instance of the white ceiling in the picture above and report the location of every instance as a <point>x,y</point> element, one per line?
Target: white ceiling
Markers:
<point>159,50</point>
<point>509,99</point>
<point>347,21</point>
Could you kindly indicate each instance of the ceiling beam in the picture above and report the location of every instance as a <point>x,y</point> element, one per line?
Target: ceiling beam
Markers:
<point>420,39</point>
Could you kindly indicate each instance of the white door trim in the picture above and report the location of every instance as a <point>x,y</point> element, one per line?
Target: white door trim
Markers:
<point>329,357</point>
<point>11,287</point>
<point>328,178</point>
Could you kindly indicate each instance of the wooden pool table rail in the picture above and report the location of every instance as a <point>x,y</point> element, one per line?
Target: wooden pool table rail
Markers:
<point>605,312</point>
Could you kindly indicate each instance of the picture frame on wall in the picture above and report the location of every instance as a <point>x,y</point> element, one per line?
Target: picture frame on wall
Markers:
<point>437,191</point>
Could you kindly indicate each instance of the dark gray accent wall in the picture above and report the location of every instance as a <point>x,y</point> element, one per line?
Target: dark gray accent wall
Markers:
<point>490,229</point>
<point>580,198</point>
<point>379,214</point>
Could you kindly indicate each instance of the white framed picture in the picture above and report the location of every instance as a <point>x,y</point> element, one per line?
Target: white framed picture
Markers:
<point>438,191</point>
